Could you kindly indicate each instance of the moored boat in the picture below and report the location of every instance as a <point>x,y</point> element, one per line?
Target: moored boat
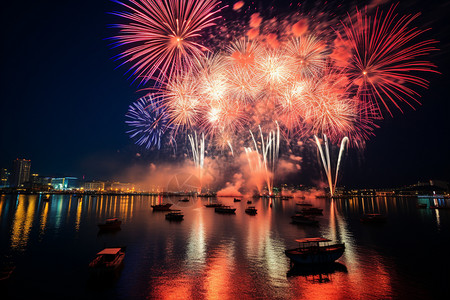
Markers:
<point>214,205</point>
<point>225,209</point>
<point>249,202</point>
<point>373,218</point>
<point>184,200</point>
<point>303,204</point>
<point>251,210</point>
<point>312,211</point>
<point>110,224</point>
<point>161,207</point>
<point>107,262</point>
<point>237,200</point>
<point>46,198</point>
<point>312,251</point>
<point>421,205</point>
<point>302,219</point>
<point>175,215</point>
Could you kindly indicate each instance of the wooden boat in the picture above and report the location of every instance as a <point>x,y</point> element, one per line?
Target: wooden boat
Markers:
<point>251,210</point>
<point>162,207</point>
<point>237,200</point>
<point>184,200</point>
<point>225,210</point>
<point>304,220</point>
<point>107,262</point>
<point>110,224</point>
<point>312,211</point>
<point>373,218</point>
<point>175,215</point>
<point>310,251</point>
<point>214,205</point>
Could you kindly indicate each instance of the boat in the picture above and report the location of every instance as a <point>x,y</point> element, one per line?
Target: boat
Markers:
<point>251,210</point>
<point>175,215</point>
<point>249,202</point>
<point>304,204</point>
<point>225,209</point>
<point>184,200</point>
<point>286,197</point>
<point>373,218</point>
<point>46,198</point>
<point>107,262</point>
<point>110,224</point>
<point>421,205</point>
<point>214,205</point>
<point>237,200</point>
<point>313,251</point>
<point>312,211</point>
<point>304,220</point>
<point>162,207</point>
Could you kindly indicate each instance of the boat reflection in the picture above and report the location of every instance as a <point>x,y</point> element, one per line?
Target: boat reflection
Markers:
<point>319,273</point>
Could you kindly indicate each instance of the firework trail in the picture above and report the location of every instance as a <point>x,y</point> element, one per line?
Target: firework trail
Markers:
<point>327,163</point>
<point>161,36</point>
<point>263,159</point>
<point>198,154</point>
<point>148,122</point>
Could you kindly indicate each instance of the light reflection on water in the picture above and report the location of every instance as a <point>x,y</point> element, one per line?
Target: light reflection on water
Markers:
<point>209,256</point>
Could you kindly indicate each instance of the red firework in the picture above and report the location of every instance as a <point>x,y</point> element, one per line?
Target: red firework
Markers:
<point>386,56</point>
<point>161,35</point>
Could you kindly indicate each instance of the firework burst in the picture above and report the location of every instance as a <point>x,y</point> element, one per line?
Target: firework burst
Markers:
<point>148,122</point>
<point>162,36</point>
<point>386,56</point>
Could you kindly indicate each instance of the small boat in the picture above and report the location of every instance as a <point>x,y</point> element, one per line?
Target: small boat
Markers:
<point>214,205</point>
<point>286,197</point>
<point>162,207</point>
<point>46,198</point>
<point>107,262</point>
<point>438,207</point>
<point>421,205</point>
<point>6,272</point>
<point>373,218</point>
<point>237,200</point>
<point>312,211</point>
<point>304,220</point>
<point>304,204</point>
<point>184,200</point>
<point>251,210</point>
<point>310,251</point>
<point>225,210</point>
<point>175,215</point>
<point>249,202</point>
<point>110,224</point>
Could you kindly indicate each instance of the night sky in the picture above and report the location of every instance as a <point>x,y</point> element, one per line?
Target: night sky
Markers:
<point>63,100</point>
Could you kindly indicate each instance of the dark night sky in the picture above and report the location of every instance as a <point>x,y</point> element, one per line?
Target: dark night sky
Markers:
<point>63,102</point>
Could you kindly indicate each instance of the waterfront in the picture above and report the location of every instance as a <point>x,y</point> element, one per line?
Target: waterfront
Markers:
<point>221,256</point>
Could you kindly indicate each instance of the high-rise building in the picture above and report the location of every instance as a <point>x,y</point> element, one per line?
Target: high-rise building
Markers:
<point>4,178</point>
<point>20,173</point>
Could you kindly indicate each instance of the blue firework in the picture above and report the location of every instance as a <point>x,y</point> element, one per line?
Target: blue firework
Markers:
<point>148,122</point>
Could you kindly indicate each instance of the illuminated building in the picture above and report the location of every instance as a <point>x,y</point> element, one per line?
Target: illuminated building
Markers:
<point>4,176</point>
<point>94,186</point>
<point>20,173</point>
<point>65,183</point>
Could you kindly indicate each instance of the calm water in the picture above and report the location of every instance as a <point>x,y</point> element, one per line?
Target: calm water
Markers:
<point>209,255</point>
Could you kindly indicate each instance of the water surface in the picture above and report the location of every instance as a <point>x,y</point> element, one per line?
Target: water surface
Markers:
<point>210,256</point>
